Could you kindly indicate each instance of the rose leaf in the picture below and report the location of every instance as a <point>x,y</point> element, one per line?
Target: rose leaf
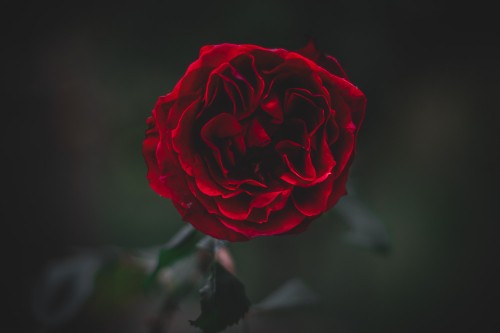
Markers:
<point>223,301</point>
<point>179,246</point>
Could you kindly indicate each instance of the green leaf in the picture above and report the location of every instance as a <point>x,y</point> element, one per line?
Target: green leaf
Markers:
<point>117,284</point>
<point>181,245</point>
<point>223,301</point>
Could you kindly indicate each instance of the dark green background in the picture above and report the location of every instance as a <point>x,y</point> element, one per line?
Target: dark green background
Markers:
<point>80,79</point>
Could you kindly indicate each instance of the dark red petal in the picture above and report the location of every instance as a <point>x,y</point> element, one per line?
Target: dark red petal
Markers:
<point>302,171</point>
<point>346,98</point>
<point>298,162</point>
<point>210,57</point>
<point>235,208</point>
<point>278,222</point>
<point>208,223</point>
<point>296,71</point>
<point>219,98</point>
<point>323,160</point>
<point>266,60</point>
<point>256,135</point>
<point>295,130</point>
<point>244,65</point>
<point>338,188</point>
<point>272,106</point>
<point>264,199</point>
<point>149,147</point>
<point>262,207</point>
<point>211,177</point>
<point>183,143</point>
<point>207,186</point>
<point>313,200</point>
<point>207,201</point>
<point>299,105</point>
<point>343,150</point>
<point>222,126</point>
<point>259,215</point>
<point>332,131</point>
<point>193,82</point>
<point>212,90</point>
<point>214,55</point>
<point>329,63</point>
<point>183,138</point>
<point>248,85</point>
<point>162,110</point>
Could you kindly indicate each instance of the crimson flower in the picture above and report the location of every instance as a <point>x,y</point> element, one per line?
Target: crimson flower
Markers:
<point>254,141</point>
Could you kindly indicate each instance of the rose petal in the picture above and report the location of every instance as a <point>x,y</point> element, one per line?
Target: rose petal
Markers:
<point>338,188</point>
<point>149,147</point>
<point>299,105</point>
<point>245,66</point>
<point>298,162</point>
<point>346,98</point>
<point>272,106</point>
<point>183,138</point>
<point>312,200</point>
<point>295,72</point>
<point>256,135</point>
<point>207,223</point>
<point>343,150</point>
<point>207,201</point>
<point>327,62</point>
<point>236,208</point>
<point>265,59</point>
<point>222,126</point>
<point>264,199</point>
<point>323,160</point>
<point>213,183</point>
<point>278,223</point>
<point>302,173</point>
<point>295,130</point>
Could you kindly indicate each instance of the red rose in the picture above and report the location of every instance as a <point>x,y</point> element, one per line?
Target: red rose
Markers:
<point>254,141</point>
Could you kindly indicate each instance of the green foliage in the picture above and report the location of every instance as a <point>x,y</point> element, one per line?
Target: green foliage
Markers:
<point>179,246</point>
<point>117,284</point>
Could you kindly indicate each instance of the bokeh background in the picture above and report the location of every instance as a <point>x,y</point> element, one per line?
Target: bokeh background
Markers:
<point>79,80</point>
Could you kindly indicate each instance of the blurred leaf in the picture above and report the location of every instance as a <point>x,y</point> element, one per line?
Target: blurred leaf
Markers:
<point>223,301</point>
<point>117,283</point>
<point>64,287</point>
<point>364,228</point>
<point>180,245</point>
<point>293,293</point>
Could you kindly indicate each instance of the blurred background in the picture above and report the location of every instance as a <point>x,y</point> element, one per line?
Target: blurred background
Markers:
<point>80,79</point>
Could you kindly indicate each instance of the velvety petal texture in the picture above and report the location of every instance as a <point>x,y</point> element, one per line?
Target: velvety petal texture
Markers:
<point>254,141</point>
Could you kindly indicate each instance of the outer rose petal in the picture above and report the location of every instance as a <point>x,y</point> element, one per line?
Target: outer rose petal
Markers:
<point>279,222</point>
<point>149,148</point>
<point>313,200</point>
<point>207,223</point>
<point>327,62</point>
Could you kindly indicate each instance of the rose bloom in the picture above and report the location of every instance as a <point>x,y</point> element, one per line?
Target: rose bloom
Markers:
<point>254,141</point>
